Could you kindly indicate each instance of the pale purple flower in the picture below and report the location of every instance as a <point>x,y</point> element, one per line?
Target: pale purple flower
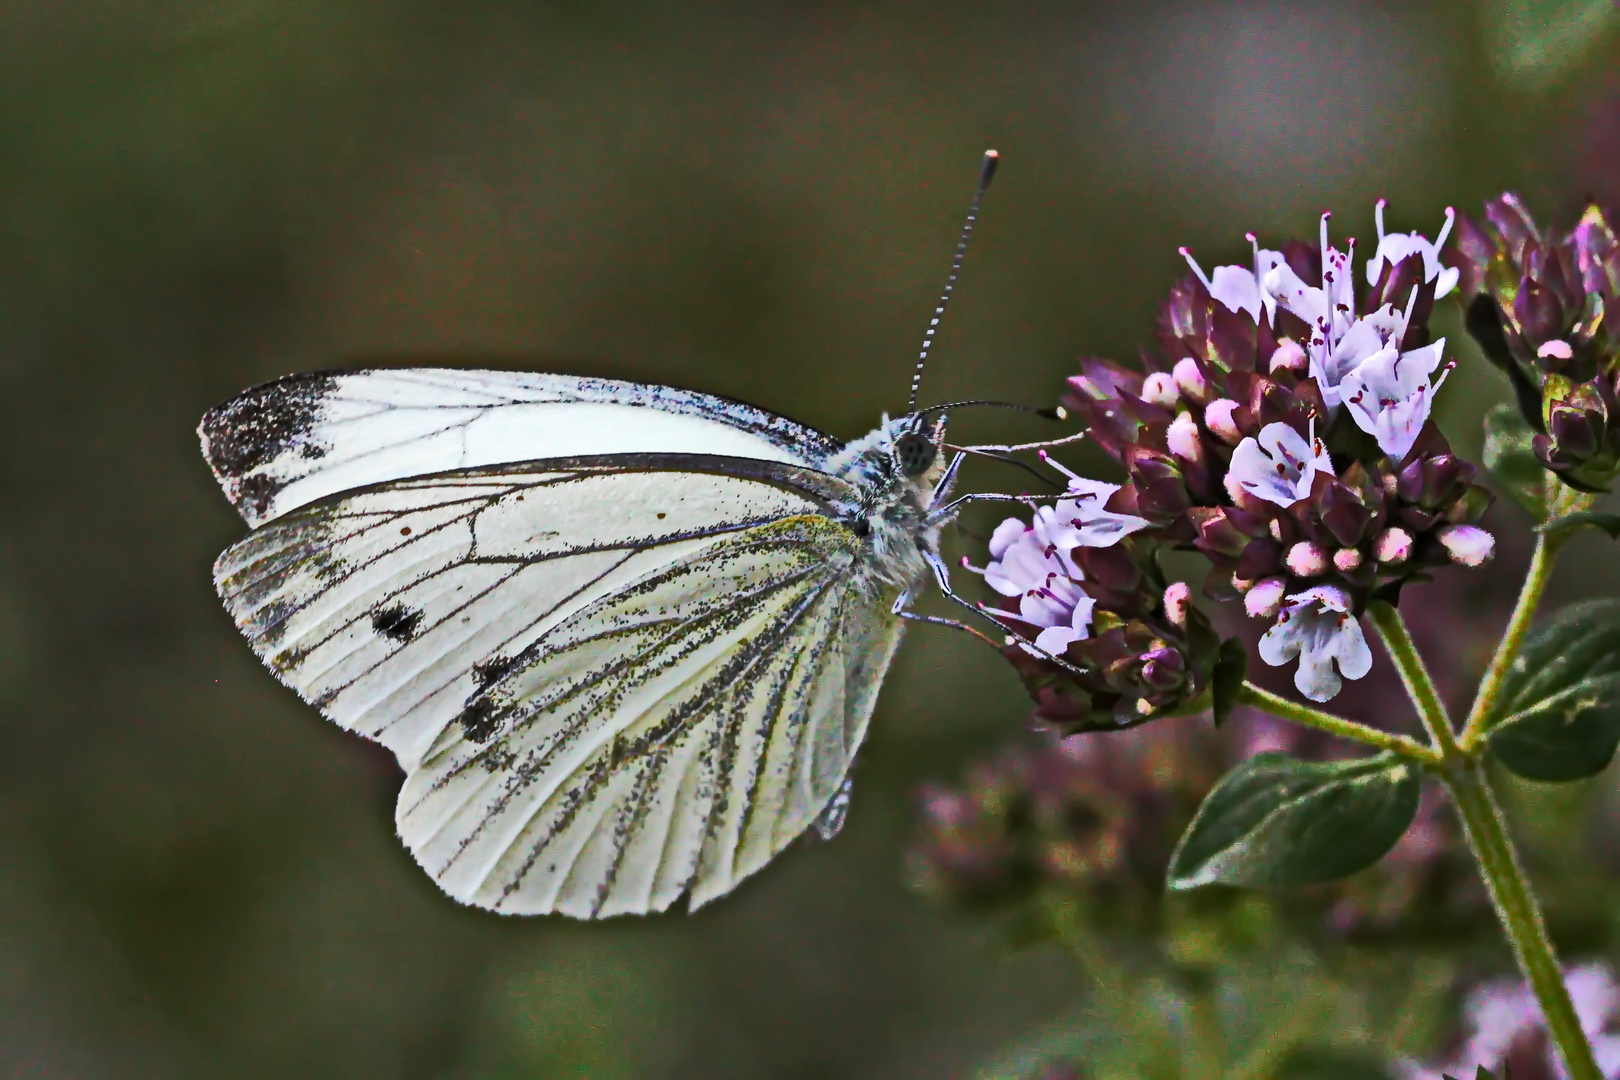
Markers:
<point>1503,1017</point>
<point>1393,247</point>
<point>1240,288</point>
<point>1340,342</point>
<point>1390,393</point>
<point>1019,560</point>
<point>1280,466</point>
<point>1081,520</point>
<point>1025,566</point>
<point>1318,627</point>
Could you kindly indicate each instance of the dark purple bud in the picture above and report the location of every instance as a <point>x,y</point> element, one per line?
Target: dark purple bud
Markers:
<point>1474,250</point>
<point>1262,558</point>
<point>1514,223</point>
<point>1232,338</point>
<point>1344,514</point>
<point>1575,432</point>
<point>1163,669</point>
<point>1539,314</point>
<point>1595,252</point>
<point>1554,268</point>
<point>1433,482</point>
<point>1395,284</point>
<point>1217,535</point>
<point>1161,490</point>
<point>1100,379</point>
<point>1110,568</point>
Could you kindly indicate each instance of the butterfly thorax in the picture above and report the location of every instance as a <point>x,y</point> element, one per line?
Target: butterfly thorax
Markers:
<point>890,512</point>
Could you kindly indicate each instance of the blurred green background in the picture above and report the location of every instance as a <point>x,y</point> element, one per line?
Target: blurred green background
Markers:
<point>198,876</point>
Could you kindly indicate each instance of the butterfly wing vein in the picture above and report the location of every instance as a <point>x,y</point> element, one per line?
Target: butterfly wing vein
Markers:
<point>609,687</point>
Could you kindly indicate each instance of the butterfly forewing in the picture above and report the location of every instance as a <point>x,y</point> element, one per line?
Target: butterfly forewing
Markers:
<point>610,681</point>
<point>305,437</point>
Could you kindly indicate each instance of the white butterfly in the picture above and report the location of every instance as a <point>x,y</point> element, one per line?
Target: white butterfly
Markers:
<point>624,639</point>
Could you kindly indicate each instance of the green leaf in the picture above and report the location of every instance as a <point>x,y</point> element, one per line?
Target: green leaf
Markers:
<point>1511,460</point>
<point>1609,523</point>
<point>1560,704</point>
<point>1231,668</point>
<point>1277,821</point>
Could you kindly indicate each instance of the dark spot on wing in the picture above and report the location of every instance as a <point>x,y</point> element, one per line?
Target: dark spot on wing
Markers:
<point>256,427</point>
<point>492,671</point>
<point>399,622</point>
<point>478,721</point>
<point>257,491</point>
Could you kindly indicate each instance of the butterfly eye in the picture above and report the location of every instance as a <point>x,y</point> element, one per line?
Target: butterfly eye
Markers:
<point>915,452</point>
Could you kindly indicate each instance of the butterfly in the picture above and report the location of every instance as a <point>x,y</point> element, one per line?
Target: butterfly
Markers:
<point>624,640</point>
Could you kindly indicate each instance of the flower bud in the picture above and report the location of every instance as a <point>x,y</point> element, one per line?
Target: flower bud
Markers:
<point>1160,389</point>
<point>1163,669</point>
<point>1289,357</point>
<point>1182,438</point>
<point>1347,560</point>
<point>1306,559</point>
<point>1265,599</point>
<point>1467,545</point>
<point>1177,602</point>
<point>1538,311</point>
<point>1190,377</point>
<point>1217,535</point>
<point>1393,546</point>
<point>1220,419</point>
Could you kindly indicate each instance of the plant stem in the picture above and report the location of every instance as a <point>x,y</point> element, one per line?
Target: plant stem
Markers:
<point>1524,612</point>
<point>1464,777</point>
<point>1521,916</point>
<point>1306,716</point>
<point>1419,686</point>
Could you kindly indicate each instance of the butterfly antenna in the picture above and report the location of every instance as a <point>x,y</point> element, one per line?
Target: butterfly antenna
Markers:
<point>987,169</point>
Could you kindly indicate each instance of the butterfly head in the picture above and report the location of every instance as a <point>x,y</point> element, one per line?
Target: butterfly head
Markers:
<point>913,450</point>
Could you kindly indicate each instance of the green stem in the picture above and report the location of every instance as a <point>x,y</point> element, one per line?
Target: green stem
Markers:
<point>1521,917</point>
<point>1464,777</point>
<point>1524,612</point>
<point>1306,716</point>
<point>1419,686</point>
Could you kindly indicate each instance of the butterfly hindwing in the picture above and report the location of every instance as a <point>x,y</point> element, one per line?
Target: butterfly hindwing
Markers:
<point>610,682</point>
<point>305,437</point>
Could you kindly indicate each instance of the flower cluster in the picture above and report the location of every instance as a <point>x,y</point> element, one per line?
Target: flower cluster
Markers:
<point>1281,428</point>
<point>1102,642</point>
<point>1507,1034</point>
<point>1537,308</point>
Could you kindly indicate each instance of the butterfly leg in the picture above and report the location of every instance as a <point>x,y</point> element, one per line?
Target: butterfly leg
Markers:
<point>949,510</point>
<point>902,608</point>
<point>943,489</point>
